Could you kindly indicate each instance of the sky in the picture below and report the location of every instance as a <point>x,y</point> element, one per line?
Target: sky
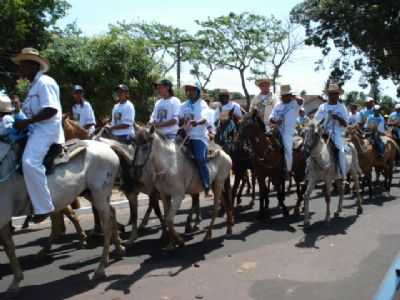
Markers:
<point>94,16</point>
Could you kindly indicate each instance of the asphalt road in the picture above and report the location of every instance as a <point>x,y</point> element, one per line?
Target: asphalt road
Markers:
<point>346,259</point>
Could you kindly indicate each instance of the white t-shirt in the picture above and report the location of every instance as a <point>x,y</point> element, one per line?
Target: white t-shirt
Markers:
<point>264,105</point>
<point>45,93</point>
<point>354,118</point>
<point>231,106</point>
<point>84,114</point>
<point>287,113</point>
<point>211,118</point>
<point>325,112</point>
<point>123,113</point>
<point>196,111</point>
<point>166,110</point>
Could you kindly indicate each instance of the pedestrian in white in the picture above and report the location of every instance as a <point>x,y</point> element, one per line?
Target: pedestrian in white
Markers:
<point>334,117</point>
<point>354,116</point>
<point>165,116</point>
<point>228,107</point>
<point>82,111</point>
<point>284,115</point>
<point>265,101</point>
<point>123,115</point>
<point>43,109</point>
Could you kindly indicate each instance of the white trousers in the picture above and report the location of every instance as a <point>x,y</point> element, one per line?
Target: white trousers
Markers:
<point>338,140</point>
<point>287,140</point>
<point>35,173</point>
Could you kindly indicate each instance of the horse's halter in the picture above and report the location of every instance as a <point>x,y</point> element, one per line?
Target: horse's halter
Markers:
<point>138,167</point>
<point>315,138</point>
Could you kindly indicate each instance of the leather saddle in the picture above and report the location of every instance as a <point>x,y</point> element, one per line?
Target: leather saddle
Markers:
<point>213,149</point>
<point>60,154</point>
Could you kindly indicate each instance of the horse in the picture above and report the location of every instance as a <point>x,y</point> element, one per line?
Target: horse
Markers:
<point>321,165</point>
<point>268,163</point>
<point>164,166</point>
<point>93,170</point>
<point>227,137</point>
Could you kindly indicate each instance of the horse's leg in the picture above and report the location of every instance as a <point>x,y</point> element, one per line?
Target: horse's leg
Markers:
<point>253,192</point>
<point>9,248</point>
<point>235,195</point>
<point>189,219</point>
<point>310,187</point>
<point>299,193</point>
<point>47,246</point>
<point>105,216</point>
<point>176,202</point>
<point>197,211</point>
<point>226,196</point>
<point>26,222</point>
<point>133,204</point>
<point>146,217</point>
<point>72,216</point>
<point>120,250</point>
<point>280,188</point>
<point>217,190</point>
<point>341,196</point>
<point>357,190</point>
<point>328,190</point>
<point>263,198</point>
<point>58,224</point>
<point>154,198</point>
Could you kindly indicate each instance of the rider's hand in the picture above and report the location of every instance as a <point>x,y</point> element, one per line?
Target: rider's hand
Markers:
<point>193,123</point>
<point>22,124</point>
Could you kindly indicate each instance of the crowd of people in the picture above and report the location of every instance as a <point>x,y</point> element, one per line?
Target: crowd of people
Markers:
<point>40,120</point>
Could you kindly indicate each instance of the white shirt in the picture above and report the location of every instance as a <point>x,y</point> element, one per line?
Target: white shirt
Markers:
<point>377,123</point>
<point>325,112</point>
<point>83,114</point>
<point>123,113</point>
<point>211,118</point>
<point>6,122</point>
<point>45,93</point>
<point>287,113</point>
<point>230,106</point>
<point>166,110</point>
<point>264,105</point>
<point>196,111</point>
<point>354,118</point>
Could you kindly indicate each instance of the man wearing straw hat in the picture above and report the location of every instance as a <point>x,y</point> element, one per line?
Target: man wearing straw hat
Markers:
<point>284,116</point>
<point>264,102</point>
<point>334,117</point>
<point>43,109</point>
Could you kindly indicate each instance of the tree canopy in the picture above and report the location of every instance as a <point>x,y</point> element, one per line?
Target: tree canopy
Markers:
<point>25,23</point>
<point>366,33</point>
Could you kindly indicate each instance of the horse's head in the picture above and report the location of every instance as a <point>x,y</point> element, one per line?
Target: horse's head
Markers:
<point>251,125</point>
<point>312,136</point>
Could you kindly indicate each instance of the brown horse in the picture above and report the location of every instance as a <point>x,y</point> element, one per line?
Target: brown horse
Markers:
<point>369,157</point>
<point>268,162</point>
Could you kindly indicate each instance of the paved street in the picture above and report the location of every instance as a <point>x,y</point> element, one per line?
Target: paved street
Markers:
<point>275,260</point>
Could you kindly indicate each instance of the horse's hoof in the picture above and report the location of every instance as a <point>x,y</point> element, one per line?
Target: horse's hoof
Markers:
<point>120,251</point>
<point>128,244</point>
<point>188,228</point>
<point>337,215</point>
<point>99,275</point>
<point>359,211</point>
<point>208,236</point>
<point>229,232</point>
<point>286,213</point>
<point>41,255</point>
<point>13,289</point>
<point>169,247</point>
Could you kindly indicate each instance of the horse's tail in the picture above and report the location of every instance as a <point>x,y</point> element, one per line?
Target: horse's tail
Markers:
<point>392,141</point>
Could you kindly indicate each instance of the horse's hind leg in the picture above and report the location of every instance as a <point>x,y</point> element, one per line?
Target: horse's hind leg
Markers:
<point>339,183</point>
<point>280,189</point>
<point>115,234</point>
<point>133,204</point>
<point>229,206</point>
<point>328,189</point>
<point>71,215</point>
<point>9,248</point>
<point>299,192</point>
<point>310,187</point>
<point>173,208</point>
<point>217,190</point>
<point>146,217</point>
<point>235,194</point>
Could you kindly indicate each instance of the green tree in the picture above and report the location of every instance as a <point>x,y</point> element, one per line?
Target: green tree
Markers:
<point>366,33</point>
<point>25,23</point>
<point>99,64</point>
<point>238,42</point>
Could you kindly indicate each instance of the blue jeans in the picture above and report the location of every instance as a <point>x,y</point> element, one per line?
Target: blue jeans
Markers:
<point>199,150</point>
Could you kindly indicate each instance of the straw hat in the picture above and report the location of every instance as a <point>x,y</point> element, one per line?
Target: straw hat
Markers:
<point>6,104</point>
<point>286,89</point>
<point>334,88</point>
<point>263,80</point>
<point>33,55</point>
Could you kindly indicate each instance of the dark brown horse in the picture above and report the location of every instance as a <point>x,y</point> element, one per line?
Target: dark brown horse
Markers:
<point>268,162</point>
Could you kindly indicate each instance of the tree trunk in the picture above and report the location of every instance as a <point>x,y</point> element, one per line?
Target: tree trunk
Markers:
<point>246,93</point>
<point>274,77</point>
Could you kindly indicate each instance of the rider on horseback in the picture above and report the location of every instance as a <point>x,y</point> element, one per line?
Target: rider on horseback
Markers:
<point>284,116</point>
<point>82,110</point>
<point>394,121</point>
<point>333,116</point>
<point>43,109</point>
<point>165,115</point>
<point>375,128</point>
<point>193,116</point>
<point>265,101</point>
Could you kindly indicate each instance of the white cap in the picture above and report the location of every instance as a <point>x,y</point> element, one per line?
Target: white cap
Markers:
<point>397,106</point>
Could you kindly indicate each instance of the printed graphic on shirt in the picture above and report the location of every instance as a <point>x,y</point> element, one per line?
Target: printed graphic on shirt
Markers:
<point>162,115</point>
<point>77,117</point>
<point>117,117</point>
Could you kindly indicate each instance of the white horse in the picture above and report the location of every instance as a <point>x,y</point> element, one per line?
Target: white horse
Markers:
<point>321,165</point>
<point>160,164</point>
<point>92,170</point>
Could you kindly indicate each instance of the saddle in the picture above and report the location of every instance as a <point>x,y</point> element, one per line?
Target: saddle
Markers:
<point>61,154</point>
<point>213,149</point>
